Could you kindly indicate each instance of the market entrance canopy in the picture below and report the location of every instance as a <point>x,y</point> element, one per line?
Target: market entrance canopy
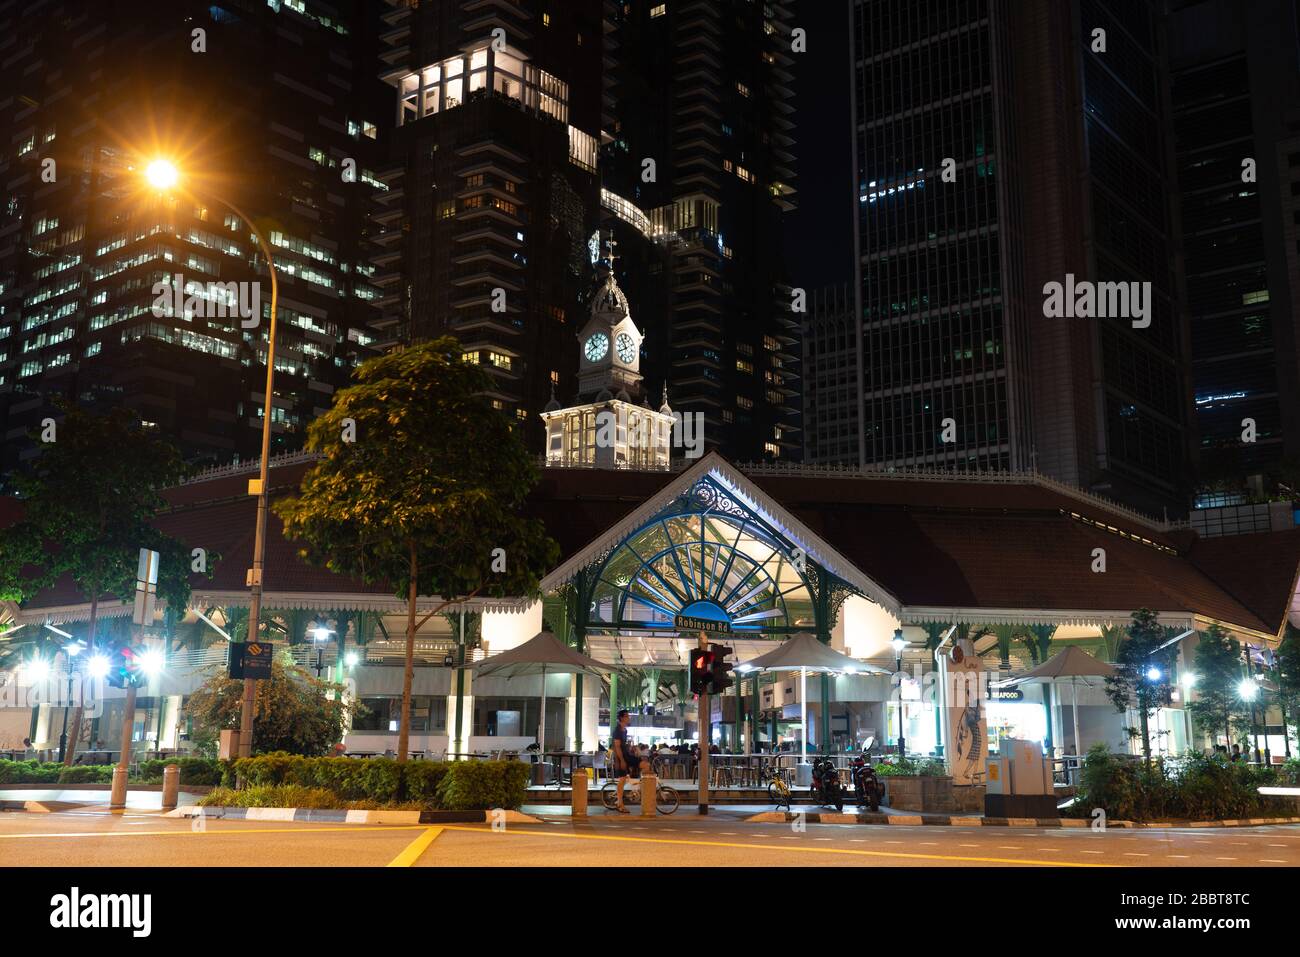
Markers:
<point>804,652</point>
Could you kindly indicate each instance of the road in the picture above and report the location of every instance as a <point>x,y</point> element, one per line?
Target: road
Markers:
<point>96,837</point>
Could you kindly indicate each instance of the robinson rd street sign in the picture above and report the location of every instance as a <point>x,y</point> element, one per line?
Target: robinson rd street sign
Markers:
<point>250,659</point>
<point>691,623</point>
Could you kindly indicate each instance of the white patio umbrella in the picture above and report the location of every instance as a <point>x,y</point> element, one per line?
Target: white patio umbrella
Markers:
<point>804,653</point>
<point>1071,663</point>
<point>541,655</point>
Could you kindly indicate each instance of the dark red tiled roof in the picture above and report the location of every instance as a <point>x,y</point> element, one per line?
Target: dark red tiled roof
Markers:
<point>956,544</point>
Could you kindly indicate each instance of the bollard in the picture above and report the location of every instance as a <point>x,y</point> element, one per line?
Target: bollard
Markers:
<point>649,790</point>
<point>118,797</point>
<point>579,795</point>
<point>171,786</point>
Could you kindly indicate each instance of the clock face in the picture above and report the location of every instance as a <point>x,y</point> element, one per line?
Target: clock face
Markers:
<point>597,347</point>
<point>626,348</point>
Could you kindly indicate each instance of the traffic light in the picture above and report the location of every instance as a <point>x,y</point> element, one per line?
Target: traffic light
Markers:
<point>720,679</point>
<point>701,670</point>
<point>124,669</point>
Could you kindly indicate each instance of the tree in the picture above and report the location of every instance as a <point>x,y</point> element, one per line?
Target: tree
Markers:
<point>1218,673</point>
<point>293,711</point>
<point>88,502</point>
<point>1286,671</point>
<point>1133,685</point>
<point>420,485</point>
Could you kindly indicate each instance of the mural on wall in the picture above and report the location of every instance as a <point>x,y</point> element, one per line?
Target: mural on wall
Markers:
<point>965,724</point>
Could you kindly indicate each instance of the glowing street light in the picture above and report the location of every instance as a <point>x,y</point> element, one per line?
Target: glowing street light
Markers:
<point>97,667</point>
<point>162,175</point>
<point>351,659</point>
<point>36,670</point>
<point>1189,680</point>
<point>1247,690</point>
<point>1153,674</point>
<point>152,661</point>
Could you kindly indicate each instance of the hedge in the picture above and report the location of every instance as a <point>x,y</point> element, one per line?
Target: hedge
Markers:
<point>193,770</point>
<point>53,772</point>
<point>457,785</point>
<point>1191,787</point>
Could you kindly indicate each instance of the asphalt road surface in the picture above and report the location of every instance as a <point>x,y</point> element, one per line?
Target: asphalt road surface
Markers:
<point>96,837</point>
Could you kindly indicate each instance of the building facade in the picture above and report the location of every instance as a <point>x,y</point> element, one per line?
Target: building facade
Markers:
<point>84,246</point>
<point>494,186</point>
<point>698,159</point>
<point>1236,83</point>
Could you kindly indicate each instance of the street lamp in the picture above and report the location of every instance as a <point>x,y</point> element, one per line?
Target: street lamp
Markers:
<point>320,633</point>
<point>163,176</point>
<point>899,644</point>
<point>70,651</point>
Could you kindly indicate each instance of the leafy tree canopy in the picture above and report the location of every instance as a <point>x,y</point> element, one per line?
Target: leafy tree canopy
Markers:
<point>88,502</point>
<point>415,459</point>
<point>293,711</point>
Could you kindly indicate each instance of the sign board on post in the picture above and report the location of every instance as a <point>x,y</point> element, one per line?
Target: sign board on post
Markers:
<point>250,659</point>
<point>146,587</point>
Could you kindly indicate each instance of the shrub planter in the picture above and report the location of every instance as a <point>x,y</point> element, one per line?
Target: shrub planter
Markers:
<point>919,793</point>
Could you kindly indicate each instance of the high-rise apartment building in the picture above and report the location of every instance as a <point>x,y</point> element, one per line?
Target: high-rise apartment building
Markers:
<point>270,106</point>
<point>1236,100</point>
<point>698,160</point>
<point>493,199</point>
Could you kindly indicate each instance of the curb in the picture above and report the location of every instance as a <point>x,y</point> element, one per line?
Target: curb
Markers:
<point>953,820</point>
<point>336,816</point>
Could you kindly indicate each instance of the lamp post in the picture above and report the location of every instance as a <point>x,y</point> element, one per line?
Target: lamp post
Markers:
<point>899,644</point>
<point>163,176</point>
<point>70,651</point>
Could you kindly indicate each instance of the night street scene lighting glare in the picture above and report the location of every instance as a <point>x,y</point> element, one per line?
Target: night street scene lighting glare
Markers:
<point>723,434</point>
<point>162,174</point>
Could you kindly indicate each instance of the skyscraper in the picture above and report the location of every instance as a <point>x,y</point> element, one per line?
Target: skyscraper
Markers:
<point>939,288</point>
<point>1236,99</point>
<point>493,186</point>
<point>1002,146</point>
<point>268,106</point>
<point>698,158</point>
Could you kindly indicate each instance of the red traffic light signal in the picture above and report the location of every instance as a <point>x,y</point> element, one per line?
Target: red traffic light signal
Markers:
<point>701,670</point>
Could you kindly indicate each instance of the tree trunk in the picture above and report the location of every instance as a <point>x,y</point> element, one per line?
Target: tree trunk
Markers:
<point>404,732</point>
<point>74,734</point>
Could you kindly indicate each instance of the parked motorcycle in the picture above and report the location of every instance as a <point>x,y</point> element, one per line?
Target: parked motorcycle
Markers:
<point>826,787</point>
<point>868,787</point>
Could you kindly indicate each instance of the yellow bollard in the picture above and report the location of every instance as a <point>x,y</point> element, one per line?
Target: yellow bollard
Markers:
<point>578,796</point>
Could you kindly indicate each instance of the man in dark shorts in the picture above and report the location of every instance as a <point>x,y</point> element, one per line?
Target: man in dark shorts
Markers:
<point>627,762</point>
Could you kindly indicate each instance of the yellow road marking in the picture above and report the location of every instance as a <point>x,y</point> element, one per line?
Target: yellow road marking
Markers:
<point>411,853</point>
<point>223,830</point>
<point>779,847</point>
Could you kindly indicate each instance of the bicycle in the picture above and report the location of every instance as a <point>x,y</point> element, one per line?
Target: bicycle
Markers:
<point>666,797</point>
<point>778,788</point>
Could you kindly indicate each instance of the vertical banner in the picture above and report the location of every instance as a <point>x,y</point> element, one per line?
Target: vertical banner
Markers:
<point>965,728</point>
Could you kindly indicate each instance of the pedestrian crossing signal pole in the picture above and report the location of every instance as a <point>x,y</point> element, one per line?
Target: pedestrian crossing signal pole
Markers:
<point>705,717</point>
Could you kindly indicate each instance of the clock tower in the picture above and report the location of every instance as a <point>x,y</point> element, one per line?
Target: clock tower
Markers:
<point>612,426</point>
<point>610,344</point>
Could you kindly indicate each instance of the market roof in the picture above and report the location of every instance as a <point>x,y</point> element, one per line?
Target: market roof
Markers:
<point>982,549</point>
